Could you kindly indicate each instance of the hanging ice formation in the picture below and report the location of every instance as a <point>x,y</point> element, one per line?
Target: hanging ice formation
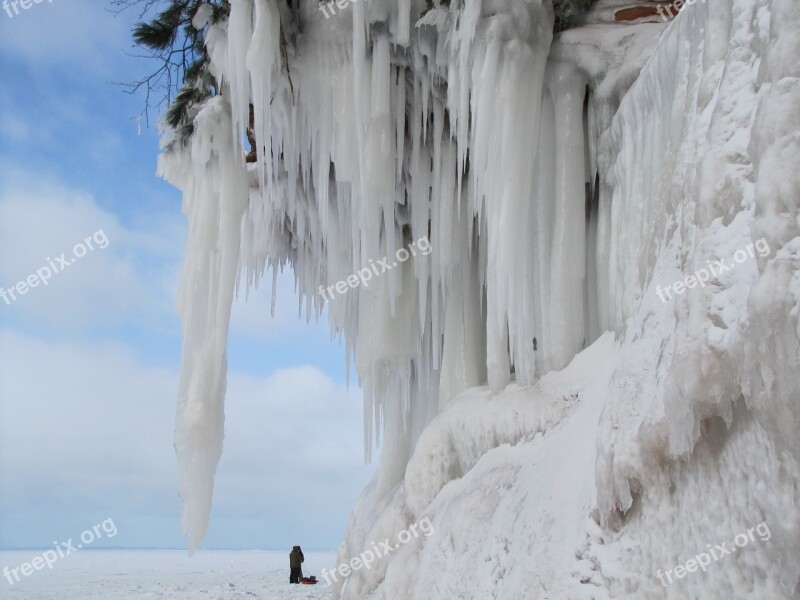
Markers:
<point>430,131</point>
<point>558,180</point>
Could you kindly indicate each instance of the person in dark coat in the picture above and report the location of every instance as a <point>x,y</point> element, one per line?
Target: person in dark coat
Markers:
<point>296,559</point>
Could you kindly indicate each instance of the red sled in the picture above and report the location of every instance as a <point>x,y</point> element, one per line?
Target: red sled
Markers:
<point>309,580</point>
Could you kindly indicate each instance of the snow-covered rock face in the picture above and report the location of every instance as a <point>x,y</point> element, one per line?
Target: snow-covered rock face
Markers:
<point>564,185</point>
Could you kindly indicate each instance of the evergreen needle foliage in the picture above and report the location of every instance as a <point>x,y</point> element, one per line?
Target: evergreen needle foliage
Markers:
<point>182,79</point>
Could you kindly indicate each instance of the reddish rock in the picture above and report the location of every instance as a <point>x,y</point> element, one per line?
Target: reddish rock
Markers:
<point>642,11</point>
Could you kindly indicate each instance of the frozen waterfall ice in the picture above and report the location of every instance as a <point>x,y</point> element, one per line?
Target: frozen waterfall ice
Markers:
<point>563,427</point>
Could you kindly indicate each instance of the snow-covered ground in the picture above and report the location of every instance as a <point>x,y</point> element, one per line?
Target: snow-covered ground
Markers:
<point>135,575</point>
<point>518,522</point>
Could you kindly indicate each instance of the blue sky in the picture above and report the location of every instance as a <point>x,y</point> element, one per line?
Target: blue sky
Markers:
<point>88,363</point>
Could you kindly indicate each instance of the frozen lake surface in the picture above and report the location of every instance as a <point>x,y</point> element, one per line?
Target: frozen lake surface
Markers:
<point>129,575</point>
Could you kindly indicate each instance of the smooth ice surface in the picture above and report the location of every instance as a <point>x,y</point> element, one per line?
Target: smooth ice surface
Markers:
<point>166,575</point>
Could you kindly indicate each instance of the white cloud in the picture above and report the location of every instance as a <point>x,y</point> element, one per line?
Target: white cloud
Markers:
<point>87,425</point>
<point>299,409</point>
<point>76,417</point>
<point>132,279</point>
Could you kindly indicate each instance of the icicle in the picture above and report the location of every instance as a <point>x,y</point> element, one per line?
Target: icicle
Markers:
<point>569,229</point>
<point>214,203</point>
<point>262,55</point>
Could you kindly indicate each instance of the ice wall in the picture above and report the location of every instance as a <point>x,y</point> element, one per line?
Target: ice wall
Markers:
<point>695,159</point>
<point>561,184</point>
<point>693,442</point>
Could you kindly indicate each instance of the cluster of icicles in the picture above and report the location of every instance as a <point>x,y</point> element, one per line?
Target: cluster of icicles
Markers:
<point>374,129</point>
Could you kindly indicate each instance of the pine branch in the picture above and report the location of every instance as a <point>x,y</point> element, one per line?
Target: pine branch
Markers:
<point>182,80</point>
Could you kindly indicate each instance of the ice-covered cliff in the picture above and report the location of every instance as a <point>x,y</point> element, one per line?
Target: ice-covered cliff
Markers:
<point>580,333</point>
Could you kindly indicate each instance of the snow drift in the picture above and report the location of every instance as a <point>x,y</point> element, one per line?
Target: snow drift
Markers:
<point>564,182</point>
